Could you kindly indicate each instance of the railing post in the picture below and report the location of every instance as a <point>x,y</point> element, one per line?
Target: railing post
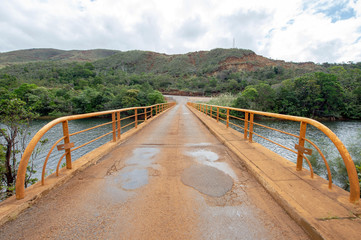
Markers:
<point>210,114</point>
<point>136,117</point>
<point>67,141</point>
<point>151,112</point>
<point>206,110</point>
<point>245,124</point>
<point>301,142</point>
<point>114,127</point>
<point>251,128</point>
<point>119,125</point>
<point>227,117</point>
<point>217,114</point>
<point>145,114</point>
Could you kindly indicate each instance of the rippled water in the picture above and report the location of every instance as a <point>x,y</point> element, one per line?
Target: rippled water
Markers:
<point>349,133</point>
<point>74,126</point>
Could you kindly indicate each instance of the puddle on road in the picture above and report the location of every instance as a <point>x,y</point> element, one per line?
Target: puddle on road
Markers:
<point>143,157</point>
<point>205,144</point>
<point>133,178</point>
<point>135,174</point>
<point>204,155</point>
<point>210,158</point>
<point>209,176</point>
<point>207,180</point>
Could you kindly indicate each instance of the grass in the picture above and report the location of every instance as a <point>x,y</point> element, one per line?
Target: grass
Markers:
<point>224,99</point>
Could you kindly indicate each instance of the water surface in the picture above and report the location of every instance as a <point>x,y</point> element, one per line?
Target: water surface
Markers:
<point>349,133</point>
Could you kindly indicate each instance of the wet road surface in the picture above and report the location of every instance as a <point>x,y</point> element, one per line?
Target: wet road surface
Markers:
<point>172,180</point>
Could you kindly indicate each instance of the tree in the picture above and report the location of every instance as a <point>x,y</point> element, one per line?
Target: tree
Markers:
<point>286,101</point>
<point>250,93</point>
<point>15,117</point>
<point>131,98</point>
<point>331,93</point>
<point>247,98</point>
<point>308,94</point>
<point>23,92</point>
<point>265,98</point>
<point>8,81</point>
<point>155,97</point>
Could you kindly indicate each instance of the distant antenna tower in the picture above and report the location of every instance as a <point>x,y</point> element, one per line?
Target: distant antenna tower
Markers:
<point>234,43</point>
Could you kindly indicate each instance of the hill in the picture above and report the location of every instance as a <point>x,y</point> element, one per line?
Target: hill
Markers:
<point>57,82</point>
<point>48,54</point>
<point>202,62</point>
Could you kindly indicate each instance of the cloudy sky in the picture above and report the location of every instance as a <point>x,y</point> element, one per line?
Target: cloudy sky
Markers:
<point>291,30</point>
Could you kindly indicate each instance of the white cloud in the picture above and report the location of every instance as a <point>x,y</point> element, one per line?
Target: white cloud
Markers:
<point>300,30</point>
<point>312,36</point>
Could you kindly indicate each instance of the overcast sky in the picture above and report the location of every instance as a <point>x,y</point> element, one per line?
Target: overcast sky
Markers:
<point>291,30</point>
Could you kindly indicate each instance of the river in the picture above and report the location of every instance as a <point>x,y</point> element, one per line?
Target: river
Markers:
<point>348,131</point>
<point>74,126</point>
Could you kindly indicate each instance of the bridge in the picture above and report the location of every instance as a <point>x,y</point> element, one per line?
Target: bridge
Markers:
<point>181,172</point>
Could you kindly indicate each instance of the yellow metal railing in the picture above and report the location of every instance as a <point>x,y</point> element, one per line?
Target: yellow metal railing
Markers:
<point>220,113</point>
<point>139,114</point>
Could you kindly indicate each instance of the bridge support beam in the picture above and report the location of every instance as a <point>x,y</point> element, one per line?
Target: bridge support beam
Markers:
<point>301,142</point>
<point>114,127</point>
<point>119,124</point>
<point>67,141</point>
<point>245,125</point>
<point>227,117</point>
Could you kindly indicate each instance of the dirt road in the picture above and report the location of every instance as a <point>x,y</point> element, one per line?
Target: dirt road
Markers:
<point>172,180</point>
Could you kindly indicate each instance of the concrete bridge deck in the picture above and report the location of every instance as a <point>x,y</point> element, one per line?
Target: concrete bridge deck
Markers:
<point>175,180</point>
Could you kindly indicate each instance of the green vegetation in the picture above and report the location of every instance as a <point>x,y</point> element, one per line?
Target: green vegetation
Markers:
<point>55,90</point>
<point>337,166</point>
<point>224,99</point>
<point>14,117</point>
<point>331,94</point>
<point>50,82</point>
<point>48,54</point>
<point>115,79</point>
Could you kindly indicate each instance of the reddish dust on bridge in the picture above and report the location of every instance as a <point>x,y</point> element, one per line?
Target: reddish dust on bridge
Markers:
<point>171,180</point>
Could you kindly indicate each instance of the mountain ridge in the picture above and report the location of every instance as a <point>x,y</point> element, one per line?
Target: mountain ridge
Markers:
<point>137,61</point>
<point>51,54</point>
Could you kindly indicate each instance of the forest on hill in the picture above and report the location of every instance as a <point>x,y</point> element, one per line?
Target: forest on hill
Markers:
<point>54,82</point>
